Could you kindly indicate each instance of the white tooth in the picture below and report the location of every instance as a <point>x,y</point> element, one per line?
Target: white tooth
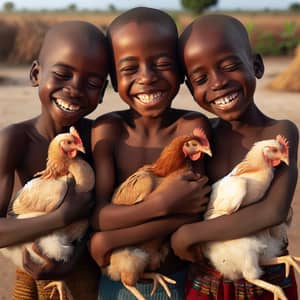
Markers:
<point>148,98</point>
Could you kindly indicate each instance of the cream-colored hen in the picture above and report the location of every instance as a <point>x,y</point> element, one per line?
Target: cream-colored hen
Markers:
<point>43,194</point>
<point>246,184</point>
<point>133,263</point>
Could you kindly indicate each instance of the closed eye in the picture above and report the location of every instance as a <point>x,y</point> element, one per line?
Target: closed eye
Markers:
<point>60,75</point>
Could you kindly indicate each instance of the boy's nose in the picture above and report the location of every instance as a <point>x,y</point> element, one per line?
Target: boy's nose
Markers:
<point>146,75</point>
<point>73,88</point>
<point>218,80</point>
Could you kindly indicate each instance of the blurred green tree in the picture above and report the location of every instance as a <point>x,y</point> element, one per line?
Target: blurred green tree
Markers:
<point>112,8</point>
<point>294,6</point>
<point>8,6</point>
<point>72,7</point>
<point>198,6</point>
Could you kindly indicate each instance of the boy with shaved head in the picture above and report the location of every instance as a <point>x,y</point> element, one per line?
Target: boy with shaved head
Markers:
<point>221,71</point>
<point>146,75</point>
<point>71,75</point>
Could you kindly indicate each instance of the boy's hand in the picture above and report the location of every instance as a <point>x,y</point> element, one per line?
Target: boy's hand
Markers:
<point>100,249</point>
<point>184,193</point>
<point>50,270</point>
<point>192,254</point>
<point>75,206</point>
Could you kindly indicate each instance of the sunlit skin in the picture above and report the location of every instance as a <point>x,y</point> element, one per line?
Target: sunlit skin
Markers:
<point>145,74</point>
<point>70,77</point>
<point>146,69</point>
<point>221,74</point>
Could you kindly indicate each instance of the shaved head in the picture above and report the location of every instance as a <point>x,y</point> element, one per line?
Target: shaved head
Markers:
<point>141,15</point>
<point>76,33</point>
<point>226,26</point>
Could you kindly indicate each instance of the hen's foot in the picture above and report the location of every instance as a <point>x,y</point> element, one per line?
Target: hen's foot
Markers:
<point>134,291</point>
<point>61,288</point>
<point>159,279</point>
<point>287,260</point>
<point>274,289</point>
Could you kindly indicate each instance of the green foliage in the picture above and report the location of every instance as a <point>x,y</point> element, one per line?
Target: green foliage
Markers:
<point>268,43</point>
<point>198,6</point>
<point>8,6</point>
<point>112,8</point>
<point>72,7</point>
<point>294,7</point>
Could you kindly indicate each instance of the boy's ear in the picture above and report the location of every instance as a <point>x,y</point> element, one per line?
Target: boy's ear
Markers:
<point>259,68</point>
<point>189,86</point>
<point>34,73</point>
<point>103,89</point>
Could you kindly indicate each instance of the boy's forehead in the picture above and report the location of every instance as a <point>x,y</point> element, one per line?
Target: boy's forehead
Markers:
<point>72,37</point>
<point>134,36</point>
<point>220,36</point>
<point>149,28</point>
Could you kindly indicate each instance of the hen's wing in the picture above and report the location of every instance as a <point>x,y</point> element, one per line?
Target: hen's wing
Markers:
<point>135,188</point>
<point>227,195</point>
<point>40,195</point>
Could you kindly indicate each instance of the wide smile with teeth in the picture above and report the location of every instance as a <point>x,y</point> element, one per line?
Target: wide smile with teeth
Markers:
<point>149,98</point>
<point>66,106</point>
<point>224,101</point>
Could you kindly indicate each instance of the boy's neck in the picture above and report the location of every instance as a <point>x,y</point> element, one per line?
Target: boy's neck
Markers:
<point>252,118</point>
<point>152,125</point>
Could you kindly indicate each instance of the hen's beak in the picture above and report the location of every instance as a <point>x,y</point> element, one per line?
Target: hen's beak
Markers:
<point>207,151</point>
<point>80,148</point>
<point>286,160</point>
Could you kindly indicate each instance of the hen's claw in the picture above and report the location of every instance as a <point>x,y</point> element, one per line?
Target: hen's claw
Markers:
<point>134,291</point>
<point>274,289</point>
<point>161,279</point>
<point>287,260</point>
<point>61,288</point>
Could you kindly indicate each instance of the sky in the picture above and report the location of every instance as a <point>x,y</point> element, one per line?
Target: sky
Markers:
<point>163,4</point>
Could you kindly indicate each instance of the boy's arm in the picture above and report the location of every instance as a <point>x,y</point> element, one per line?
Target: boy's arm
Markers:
<point>270,211</point>
<point>102,243</point>
<point>12,146</point>
<point>105,136</point>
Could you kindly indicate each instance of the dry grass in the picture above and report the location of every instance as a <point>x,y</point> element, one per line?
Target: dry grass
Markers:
<point>288,80</point>
<point>23,32</point>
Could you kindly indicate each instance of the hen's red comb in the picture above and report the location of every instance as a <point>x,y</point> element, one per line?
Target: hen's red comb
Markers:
<point>284,142</point>
<point>200,134</point>
<point>75,134</point>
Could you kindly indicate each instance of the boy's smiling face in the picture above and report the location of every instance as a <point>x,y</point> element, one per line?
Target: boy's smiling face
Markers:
<point>71,76</point>
<point>221,71</point>
<point>146,66</point>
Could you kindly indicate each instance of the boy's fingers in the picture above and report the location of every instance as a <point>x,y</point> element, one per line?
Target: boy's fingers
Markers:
<point>190,176</point>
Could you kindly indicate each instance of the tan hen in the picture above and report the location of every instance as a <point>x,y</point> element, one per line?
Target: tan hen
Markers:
<point>43,194</point>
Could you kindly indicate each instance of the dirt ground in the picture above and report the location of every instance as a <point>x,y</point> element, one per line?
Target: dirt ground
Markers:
<point>18,101</point>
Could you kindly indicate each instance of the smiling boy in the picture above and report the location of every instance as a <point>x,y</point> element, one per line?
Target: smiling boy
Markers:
<point>221,71</point>
<point>147,77</point>
<point>71,74</point>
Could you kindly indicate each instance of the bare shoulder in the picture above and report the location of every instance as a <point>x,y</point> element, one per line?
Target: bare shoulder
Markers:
<point>14,134</point>
<point>14,141</point>
<point>109,126</point>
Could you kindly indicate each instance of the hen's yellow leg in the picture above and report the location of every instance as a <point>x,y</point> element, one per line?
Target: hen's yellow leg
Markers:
<point>134,291</point>
<point>274,289</point>
<point>159,279</point>
<point>287,260</point>
<point>61,288</point>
